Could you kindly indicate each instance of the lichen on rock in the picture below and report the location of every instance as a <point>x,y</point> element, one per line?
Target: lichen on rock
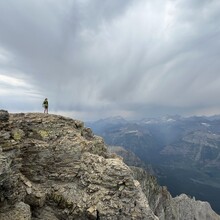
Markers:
<point>62,170</point>
<point>53,168</point>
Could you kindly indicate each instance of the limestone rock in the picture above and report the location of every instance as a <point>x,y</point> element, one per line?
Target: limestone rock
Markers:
<point>59,168</point>
<point>167,208</point>
<point>196,210</point>
<point>159,198</point>
<point>20,211</point>
<point>4,116</point>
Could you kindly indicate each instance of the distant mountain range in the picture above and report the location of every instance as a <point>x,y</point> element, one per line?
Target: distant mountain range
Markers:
<point>184,152</point>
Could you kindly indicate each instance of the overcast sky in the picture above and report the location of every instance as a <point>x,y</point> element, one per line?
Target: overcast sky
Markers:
<point>98,58</point>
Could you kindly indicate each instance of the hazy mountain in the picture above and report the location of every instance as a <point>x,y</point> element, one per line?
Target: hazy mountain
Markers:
<point>184,152</point>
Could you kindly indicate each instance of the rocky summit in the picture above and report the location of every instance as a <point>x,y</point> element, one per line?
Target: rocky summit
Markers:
<point>54,168</point>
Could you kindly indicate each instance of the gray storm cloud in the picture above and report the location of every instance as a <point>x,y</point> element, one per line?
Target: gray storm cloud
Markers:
<point>99,58</point>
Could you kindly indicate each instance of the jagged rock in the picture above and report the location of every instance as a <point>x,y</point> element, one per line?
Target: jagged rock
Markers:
<point>167,208</point>
<point>87,133</point>
<point>61,170</point>
<point>4,116</point>
<point>20,211</point>
<point>196,210</point>
<point>159,198</point>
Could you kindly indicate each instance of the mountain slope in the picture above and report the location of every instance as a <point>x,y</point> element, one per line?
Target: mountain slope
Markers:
<point>160,200</point>
<point>184,152</point>
<point>54,168</point>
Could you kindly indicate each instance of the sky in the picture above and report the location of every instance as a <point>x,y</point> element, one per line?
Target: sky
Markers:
<point>94,59</point>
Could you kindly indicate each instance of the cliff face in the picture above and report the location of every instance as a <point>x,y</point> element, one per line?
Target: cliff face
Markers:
<point>160,200</point>
<point>184,152</point>
<point>53,168</point>
<point>167,208</point>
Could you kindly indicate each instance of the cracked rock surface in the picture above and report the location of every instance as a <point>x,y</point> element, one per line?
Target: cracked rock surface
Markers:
<point>52,167</point>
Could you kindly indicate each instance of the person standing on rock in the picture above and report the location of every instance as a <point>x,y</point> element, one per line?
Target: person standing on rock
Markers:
<point>45,105</point>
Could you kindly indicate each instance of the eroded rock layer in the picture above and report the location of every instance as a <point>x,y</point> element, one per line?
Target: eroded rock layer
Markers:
<point>52,167</point>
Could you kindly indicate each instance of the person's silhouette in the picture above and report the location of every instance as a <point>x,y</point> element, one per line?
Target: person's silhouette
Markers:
<point>45,105</point>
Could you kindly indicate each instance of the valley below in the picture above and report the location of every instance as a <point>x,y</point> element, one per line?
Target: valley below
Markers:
<point>183,153</point>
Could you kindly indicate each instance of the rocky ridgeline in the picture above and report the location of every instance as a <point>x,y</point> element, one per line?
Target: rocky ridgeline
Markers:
<point>167,208</point>
<point>53,168</point>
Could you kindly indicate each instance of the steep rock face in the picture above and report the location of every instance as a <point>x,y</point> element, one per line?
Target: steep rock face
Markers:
<point>160,200</point>
<point>184,152</point>
<point>193,209</point>
<point>52,167</point>
<point>167,208</point>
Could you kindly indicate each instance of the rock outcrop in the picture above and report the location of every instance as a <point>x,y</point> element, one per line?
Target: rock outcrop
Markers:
<point>193,209</point>
<point>167,208</point>
<point>54,168</point>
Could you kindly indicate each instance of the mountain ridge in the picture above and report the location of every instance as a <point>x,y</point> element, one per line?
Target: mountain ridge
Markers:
<point>54,168</point>
<point>184,151</point>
